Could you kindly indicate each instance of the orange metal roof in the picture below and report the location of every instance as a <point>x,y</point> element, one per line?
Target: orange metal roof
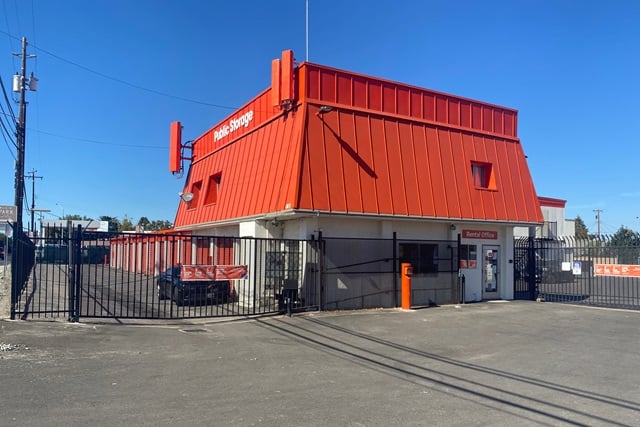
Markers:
<point>385,149</point>
<point>256,169</point>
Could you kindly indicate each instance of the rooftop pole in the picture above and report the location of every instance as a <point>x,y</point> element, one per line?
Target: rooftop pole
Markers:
<point>20,84</point>
<point>33,177</point>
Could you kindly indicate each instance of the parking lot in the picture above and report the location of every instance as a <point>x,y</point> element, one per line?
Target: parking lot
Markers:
<point>503,363</point>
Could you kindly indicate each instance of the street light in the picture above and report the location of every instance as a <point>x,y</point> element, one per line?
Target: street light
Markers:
<point>186,197</point>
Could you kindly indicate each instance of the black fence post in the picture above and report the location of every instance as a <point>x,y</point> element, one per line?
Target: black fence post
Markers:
<point>532,268</point>
<point>395,269</point>
<point>461,278</point>
<point>255,243</point>
<point>77,260</point>
<point>71,276</point>
<point>14,271</point>
<point>322,271</point>
<point>74,241</point>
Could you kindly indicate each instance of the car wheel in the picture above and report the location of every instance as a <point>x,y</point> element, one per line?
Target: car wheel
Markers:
<point>178,298</point>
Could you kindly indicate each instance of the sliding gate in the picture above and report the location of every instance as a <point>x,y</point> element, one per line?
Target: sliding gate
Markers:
<point>78,274</point>
<point>597,271</point>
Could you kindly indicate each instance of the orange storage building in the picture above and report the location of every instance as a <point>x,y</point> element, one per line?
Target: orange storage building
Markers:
<point>346,155</point>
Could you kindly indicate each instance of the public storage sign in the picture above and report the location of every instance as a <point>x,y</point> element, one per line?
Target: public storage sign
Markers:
<point>192,272</point>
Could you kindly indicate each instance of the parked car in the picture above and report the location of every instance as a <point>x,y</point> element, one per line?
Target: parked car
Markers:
<point>1,253</point>
<point>186,292</point>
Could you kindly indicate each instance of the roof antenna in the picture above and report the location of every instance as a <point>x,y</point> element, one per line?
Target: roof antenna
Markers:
<point>307,31</point>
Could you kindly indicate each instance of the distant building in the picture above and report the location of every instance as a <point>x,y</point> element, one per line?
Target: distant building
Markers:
<point>555,224</point>
<point>87,225</point>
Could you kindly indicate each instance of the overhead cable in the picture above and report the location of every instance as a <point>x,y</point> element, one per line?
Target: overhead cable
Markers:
<point>124,82</point>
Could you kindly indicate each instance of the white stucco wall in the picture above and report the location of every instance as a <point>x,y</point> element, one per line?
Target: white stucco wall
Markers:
<point>427,288</point>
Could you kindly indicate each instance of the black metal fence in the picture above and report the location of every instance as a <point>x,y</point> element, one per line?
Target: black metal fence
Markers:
<point>74,273</point>
<point>77,274</point>
<point>22,262</point>
<point>359,273</point>
<point>601,271</point>
<point>364,273</point>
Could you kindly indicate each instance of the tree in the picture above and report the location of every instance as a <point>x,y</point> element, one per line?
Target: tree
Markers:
<point>143,224</point>
<point>126,225</point>
<point>625,237</point>
<point>157,225</point>
<point>76,218</point>
<point>625,245</point>
<point>582,232</point>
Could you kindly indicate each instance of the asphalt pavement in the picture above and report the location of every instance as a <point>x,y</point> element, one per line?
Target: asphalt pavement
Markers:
<point>499,364</point>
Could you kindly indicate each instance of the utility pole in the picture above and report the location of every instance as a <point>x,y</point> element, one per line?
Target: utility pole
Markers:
<point>33,199</point>
<point>598,212</point>
<point>20,83</point>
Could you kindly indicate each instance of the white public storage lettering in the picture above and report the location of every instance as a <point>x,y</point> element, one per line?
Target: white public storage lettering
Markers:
<point>233,125</point>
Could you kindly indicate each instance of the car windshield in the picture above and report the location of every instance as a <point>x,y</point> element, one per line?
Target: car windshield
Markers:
<point>173,271</point>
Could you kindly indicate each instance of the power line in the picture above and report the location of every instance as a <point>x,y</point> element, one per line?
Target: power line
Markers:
<point>9,147</point>
<point>6,19</point>
<point>4,113</point>
<point>93,141</point>
<point>124,82</point>
<point>33,25</point>
<point>7,136</point>
<point>7,133</point>
<point>6,98</point>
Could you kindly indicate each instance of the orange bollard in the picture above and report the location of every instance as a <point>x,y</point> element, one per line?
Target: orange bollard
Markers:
<point>406,271</point>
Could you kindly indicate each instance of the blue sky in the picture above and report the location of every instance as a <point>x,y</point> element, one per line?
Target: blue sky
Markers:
<point>98,126</point>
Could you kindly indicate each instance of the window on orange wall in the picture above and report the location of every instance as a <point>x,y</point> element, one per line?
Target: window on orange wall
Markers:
<point>196,189</point>
<point>482,175</point>
<point>213,186</point>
